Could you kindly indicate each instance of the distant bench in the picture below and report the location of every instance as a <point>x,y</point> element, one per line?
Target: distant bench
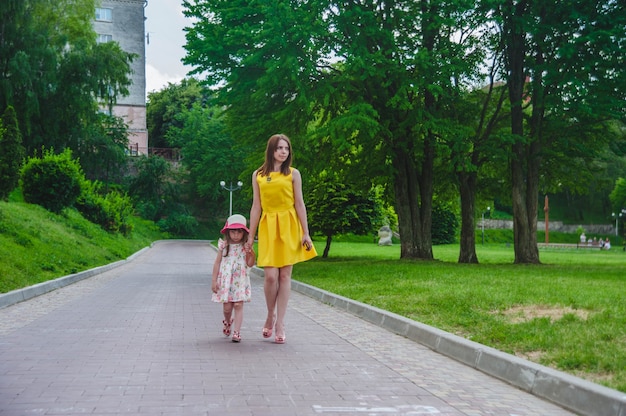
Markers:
<point>587,245</point>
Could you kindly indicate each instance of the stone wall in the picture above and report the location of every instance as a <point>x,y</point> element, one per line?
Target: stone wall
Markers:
<point>608,229</point>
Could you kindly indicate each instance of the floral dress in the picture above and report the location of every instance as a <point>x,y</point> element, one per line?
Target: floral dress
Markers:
<point>233,278</point>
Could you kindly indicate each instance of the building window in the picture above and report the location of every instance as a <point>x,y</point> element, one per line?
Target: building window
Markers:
<point>104,15</point>
<point>104,38</point>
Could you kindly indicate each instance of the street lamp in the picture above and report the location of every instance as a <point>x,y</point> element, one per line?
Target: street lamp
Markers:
<point>616,218</point>
<point>230,189</point>
<point>483,224</point>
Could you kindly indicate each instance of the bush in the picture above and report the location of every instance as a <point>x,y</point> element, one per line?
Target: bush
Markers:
<point>52,181</point>
<point>111,211</point>
<point>12,154</point>
<point>444,226</point>
<point>179,224</point>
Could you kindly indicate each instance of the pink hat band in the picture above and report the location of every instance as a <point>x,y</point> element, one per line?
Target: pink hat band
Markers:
<point>235,222</point>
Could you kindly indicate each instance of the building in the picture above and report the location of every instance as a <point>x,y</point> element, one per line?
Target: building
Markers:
<point>123,21</point>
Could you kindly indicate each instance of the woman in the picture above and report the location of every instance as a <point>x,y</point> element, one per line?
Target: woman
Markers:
<point>279,212</point>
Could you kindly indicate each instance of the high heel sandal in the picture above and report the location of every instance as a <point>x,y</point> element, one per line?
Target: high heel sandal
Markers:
<point>280,339</point>
<point>226,329</point>
<point>267,332</point>
<point>236,336</point>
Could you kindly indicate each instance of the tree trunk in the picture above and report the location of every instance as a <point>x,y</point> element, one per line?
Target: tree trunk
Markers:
<point>414,204</point>
<point>524,167</point>
<point>329,239</point>
<point>467,190</point>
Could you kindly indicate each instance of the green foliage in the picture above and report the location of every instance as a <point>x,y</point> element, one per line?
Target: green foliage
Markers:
<point>52,180</point>
<point>335,207</point>
<point>38,245</point>
<point>179,224</point>
<point>618,195</point>
<point>156,192</point>
<point>54,72</point>
<point>111,211</point>
<point>211,155</point>
<point>103,153</point>
<point>445,225</point>
<point>165,107</point>
<point>11,154</point>
<point>151,188</point>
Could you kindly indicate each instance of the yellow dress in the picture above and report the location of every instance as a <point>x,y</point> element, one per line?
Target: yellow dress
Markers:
<point>280,232</point>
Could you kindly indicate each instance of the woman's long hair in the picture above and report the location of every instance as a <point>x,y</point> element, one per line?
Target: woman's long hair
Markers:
<point>272,145</point>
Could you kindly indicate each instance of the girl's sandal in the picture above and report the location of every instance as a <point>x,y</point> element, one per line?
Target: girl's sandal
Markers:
<point>236,336</point>
<point>226,329</point>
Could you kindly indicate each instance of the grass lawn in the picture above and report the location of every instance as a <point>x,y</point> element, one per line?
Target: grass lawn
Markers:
<point>37,245</point>
<point>568,313</point>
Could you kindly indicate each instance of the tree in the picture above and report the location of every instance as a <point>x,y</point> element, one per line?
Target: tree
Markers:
<point>165,106</point>
<point>373,75</point>
<point>12,154</point>
<point>54,73</point>
<point>210,155</point>
<point>103,152</point>
<point>337,208</point>
<point>476,154</point>
<point>618,195</point>
<point>563,69</point>
<point>155,188</point>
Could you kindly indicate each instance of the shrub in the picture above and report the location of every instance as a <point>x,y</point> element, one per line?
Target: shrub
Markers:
<point>444,226</point>
<point>52,181</point>
<point>179,224</point>
<point>12,155</point>
<point>111,211</point>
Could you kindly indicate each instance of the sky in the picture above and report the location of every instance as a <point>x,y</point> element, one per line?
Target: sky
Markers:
<point>164,27</point>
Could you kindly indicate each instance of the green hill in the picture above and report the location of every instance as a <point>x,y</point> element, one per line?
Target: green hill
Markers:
<point>37,245</point>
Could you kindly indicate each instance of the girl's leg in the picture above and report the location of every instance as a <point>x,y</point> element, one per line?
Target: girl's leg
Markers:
<point>270,287</point>
<point>282,299</point>
<point>237,321</point>
<point>228,311</point>
<point>238,306</point>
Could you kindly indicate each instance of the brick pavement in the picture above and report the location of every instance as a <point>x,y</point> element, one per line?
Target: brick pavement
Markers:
<point>144,339</point>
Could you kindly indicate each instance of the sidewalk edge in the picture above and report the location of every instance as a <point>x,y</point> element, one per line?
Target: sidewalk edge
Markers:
<point>20,295</point>
<point>570,392</point>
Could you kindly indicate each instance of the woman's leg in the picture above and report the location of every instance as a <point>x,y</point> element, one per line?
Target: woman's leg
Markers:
<point>282,299</point>
<point>270,288</point>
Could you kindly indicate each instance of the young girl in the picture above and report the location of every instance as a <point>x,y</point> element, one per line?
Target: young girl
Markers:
<point>231,279</point>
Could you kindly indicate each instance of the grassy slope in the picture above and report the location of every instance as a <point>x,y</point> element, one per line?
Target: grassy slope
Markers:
<point>36,245</point>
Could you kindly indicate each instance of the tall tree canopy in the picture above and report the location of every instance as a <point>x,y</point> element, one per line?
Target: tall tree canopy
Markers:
<point>384,87</point>
<point>566,77</point>
<point>372,76</point>
<point>54,73</point>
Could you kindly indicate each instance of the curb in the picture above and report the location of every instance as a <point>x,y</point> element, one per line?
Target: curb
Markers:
<point>570,392</point>
<point>20,295</point>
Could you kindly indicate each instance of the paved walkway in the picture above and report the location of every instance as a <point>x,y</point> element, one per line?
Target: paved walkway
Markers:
<point>145,339</point>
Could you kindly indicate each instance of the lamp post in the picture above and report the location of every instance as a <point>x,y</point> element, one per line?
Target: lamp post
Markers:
<point>230,189</point>
<point>616,218</point>
<point>483,223</point>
